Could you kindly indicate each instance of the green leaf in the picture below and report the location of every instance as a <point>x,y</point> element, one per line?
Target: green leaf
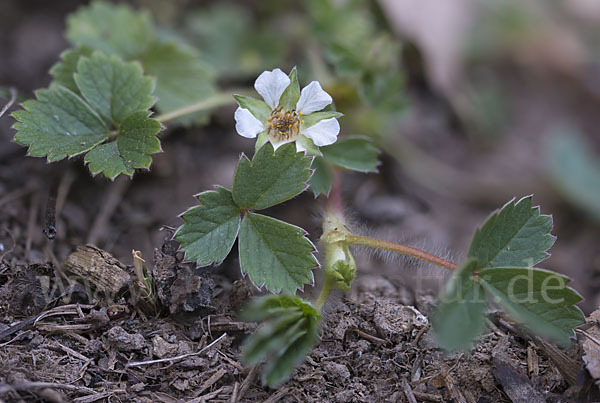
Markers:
<point>182,78</point>
<point>285,339</point>
<point>271,306</point>
<point>322,178</point>
<point>460,317</point>
<point>58,124</point>
<point>132,148</point>
<point>575,170</point>
<point>112,87</point>
<point>258,108</point>
<point>313,118</point>
<point>290,96</point>
<point>355,153</point>
<point>64,71</point>
<point>272,337</point>
<point>275,254</point>
<point>516,235</point>
<point>271,178</point>
<point>211,228</point>
<point>537,298</point>
<point>112,29</point>
<point>279,369</point>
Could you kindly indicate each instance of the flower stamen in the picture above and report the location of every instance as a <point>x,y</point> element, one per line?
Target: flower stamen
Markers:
<point>283,125</point>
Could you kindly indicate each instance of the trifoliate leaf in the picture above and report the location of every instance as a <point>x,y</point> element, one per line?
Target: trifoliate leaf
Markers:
<point>313,118</point>
<point>575,170</point>
<point>275,254</point>
<point>285,339</point>
<point>132,148</point>
<point>355,153</point>
<point>515,236</point>
<point>112,29</point>
<point>64,71</point>
<point>460,317</point>
<point>258,108</point>
<point>322,178</point>
<point>182,78</point>
<point>211,228</point>
<point>271,178</point>
<point>537,298</point>
<point>58,124</point>
<point>112,87</point>
<point>290,96</point>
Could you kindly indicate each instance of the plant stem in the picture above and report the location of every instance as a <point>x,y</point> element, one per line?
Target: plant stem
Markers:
<point>325,293</point>
<point>399,248</point>
<point>219,99</point>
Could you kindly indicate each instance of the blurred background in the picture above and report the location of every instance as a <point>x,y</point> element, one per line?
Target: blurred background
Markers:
<point>472,102</point>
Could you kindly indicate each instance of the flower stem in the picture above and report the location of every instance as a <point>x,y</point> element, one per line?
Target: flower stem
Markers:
<point>399,248</point>
<point>219,99</point>
<point>325,293</point>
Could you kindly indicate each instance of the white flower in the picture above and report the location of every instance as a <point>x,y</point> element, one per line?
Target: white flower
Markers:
<point>294,117</point>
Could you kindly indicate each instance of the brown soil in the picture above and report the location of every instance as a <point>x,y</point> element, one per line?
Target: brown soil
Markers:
<point>63,339</point>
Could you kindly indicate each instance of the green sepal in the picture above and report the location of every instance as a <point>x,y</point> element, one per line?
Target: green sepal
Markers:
<point>275,254</point>
<point>261,140</point>
<point>340,264</point>
<point>291,95</point>
<point>311,119</point>
<point>258,108</point>
<point>210,229</point>
<point>460,316</point>
<point>538,299</point>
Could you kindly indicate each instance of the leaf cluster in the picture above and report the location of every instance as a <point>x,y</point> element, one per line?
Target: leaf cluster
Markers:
<point>289,332</point>
<point>100,108</point>
<point>273,253</point>
<point>182,77</point>
<point>499,266</point>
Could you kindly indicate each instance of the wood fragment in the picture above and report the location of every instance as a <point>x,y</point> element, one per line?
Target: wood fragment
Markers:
<point>177,358</point>
<point>100,268</point>
<point>427,397</point>
<point>212,380</point>
<point>207,397</point>
<point>408,393</point>
<point>276,397</point>
<point>364,335</point>
<point>248,380</point>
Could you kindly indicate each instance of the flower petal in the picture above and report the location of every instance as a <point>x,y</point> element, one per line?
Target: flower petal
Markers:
<point>313,98</point>
<point>270,85</point>
<point>246,124</point>
<point>276,144</point>
<point>324,132</point>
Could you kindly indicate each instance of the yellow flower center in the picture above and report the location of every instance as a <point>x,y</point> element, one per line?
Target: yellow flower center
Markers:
<point>283,125</point>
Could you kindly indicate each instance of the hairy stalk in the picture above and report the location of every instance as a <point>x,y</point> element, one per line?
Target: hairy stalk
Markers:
<point>399,248</point>
<point>325,293</point>
<point>215,101</point>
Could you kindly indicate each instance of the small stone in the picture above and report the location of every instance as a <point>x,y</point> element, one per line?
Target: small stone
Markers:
<point>338,372</point>
<point>124,341</point>
<point>162,348</point>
